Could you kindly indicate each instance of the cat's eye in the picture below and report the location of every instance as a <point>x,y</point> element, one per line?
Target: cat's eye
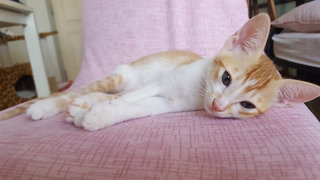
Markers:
<point>247,105</point>
<point>226,78</point>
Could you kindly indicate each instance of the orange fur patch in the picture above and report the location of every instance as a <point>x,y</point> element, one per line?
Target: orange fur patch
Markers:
<point>108,84</point>
<point>61,102</point>
<point>178,57</point>
<point>262,73</point>
<point>248,114</point>
<point>218,64</point>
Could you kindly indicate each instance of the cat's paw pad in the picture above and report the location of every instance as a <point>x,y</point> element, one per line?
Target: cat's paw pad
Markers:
<point>42,109</point>
<point>76,110</point>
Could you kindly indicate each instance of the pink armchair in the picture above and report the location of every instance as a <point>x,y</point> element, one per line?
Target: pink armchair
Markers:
<point>284,143</point>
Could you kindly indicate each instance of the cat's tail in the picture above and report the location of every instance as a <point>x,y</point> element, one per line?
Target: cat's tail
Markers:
<point>15,111</point>
<point>22,108</point>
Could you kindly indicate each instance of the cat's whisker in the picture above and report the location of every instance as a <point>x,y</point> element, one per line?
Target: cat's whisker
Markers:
<point>208,87</point>
<point>202,88</point>
<point>203,92</point>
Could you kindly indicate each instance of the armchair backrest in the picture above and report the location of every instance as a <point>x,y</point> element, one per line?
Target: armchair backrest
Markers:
<point>117,32</point>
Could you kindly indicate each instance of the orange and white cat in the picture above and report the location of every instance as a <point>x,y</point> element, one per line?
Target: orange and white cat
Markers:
<point>239,82</point>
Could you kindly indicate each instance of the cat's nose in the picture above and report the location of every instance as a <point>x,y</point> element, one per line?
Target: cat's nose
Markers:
<point>217,107</point>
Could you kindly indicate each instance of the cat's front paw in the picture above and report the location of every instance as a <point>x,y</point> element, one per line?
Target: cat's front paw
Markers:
<point>76,111</point>
<point>100,116</point>
<point>44,108</point>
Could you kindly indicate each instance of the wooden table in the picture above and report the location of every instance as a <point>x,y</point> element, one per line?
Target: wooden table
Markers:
<point>13,14</point>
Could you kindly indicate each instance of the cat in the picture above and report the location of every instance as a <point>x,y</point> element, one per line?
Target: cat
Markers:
<point>239,82</point>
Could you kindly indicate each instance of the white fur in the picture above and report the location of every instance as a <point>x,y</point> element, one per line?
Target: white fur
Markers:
<point>45,108</point>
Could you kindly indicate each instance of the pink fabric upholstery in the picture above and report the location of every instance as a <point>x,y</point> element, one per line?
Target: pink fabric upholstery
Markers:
<point>117,32</point>
<point>282,144</point>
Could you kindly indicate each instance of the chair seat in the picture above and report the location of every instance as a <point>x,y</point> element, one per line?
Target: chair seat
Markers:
<point>282,144</point>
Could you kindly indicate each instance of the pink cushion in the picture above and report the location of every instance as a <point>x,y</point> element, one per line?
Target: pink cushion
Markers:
<point>282,144</point>
<point>304,18</point>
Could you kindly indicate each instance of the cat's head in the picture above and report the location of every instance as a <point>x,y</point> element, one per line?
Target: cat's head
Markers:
<point>243,82</point>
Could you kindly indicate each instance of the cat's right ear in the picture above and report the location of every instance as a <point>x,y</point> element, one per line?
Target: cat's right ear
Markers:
<point>252,36</point>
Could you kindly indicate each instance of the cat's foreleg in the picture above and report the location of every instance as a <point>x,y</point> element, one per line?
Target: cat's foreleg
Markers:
<point>106,114</point>
<point>80,105</point>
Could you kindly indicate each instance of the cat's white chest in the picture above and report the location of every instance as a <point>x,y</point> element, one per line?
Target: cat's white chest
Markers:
<point>186,82</point>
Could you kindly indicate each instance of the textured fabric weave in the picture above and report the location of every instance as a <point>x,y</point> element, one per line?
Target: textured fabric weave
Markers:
<point>118,32</point>
<point>282,144</point>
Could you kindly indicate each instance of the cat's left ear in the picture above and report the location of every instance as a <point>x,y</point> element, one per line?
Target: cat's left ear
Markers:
<point>294,91</point>
<point>252,36</point>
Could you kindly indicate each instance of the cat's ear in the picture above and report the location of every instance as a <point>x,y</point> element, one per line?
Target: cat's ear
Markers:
<point>294,91</point>
<point>252,36</point>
